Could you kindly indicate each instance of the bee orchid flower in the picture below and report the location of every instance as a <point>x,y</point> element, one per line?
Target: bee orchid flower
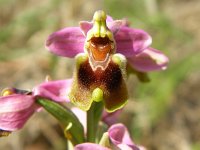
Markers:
<point>102,49</point>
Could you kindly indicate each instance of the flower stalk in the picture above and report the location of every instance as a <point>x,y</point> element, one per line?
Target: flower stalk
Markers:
<point>93,117</point>
<point>90,125</point>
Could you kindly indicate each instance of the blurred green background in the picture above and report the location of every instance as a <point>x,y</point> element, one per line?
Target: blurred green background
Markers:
<point>164,114</point>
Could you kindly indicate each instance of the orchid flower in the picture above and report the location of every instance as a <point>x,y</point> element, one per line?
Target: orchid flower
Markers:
<point>17,106</point>
<point>117,137</point>
<point>102,49</point>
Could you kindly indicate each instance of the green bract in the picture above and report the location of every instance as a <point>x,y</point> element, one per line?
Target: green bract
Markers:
<point>72,127</point>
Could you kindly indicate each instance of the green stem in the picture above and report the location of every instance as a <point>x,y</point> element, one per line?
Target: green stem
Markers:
<point>90,125</point>
<point>93,117</point>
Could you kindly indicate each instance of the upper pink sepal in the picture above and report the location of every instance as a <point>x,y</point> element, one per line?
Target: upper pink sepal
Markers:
<point>67,42</point>
<point>131,41</point>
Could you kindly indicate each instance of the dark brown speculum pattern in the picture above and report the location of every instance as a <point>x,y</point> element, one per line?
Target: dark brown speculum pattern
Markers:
<point>110,81</point>
<point>111,77</point>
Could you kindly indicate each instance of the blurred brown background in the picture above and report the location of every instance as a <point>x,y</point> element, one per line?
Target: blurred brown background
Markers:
<point>164,114</point>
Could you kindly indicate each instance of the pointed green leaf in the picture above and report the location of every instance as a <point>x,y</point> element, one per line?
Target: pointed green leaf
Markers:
<point>72,127</point>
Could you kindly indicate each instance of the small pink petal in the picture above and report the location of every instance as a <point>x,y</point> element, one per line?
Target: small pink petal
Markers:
<point>116,25</point>
<point>67,42</point>
<point>90,146</point>
<point>149,60</point>
<point>85,26</point>
<point>131,41</point>
<point>119,136</point>
<point>15,111</point>
<point>54,90</point>
<point>109,19</point>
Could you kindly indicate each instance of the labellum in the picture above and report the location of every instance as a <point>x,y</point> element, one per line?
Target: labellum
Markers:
<point>100,73</point>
